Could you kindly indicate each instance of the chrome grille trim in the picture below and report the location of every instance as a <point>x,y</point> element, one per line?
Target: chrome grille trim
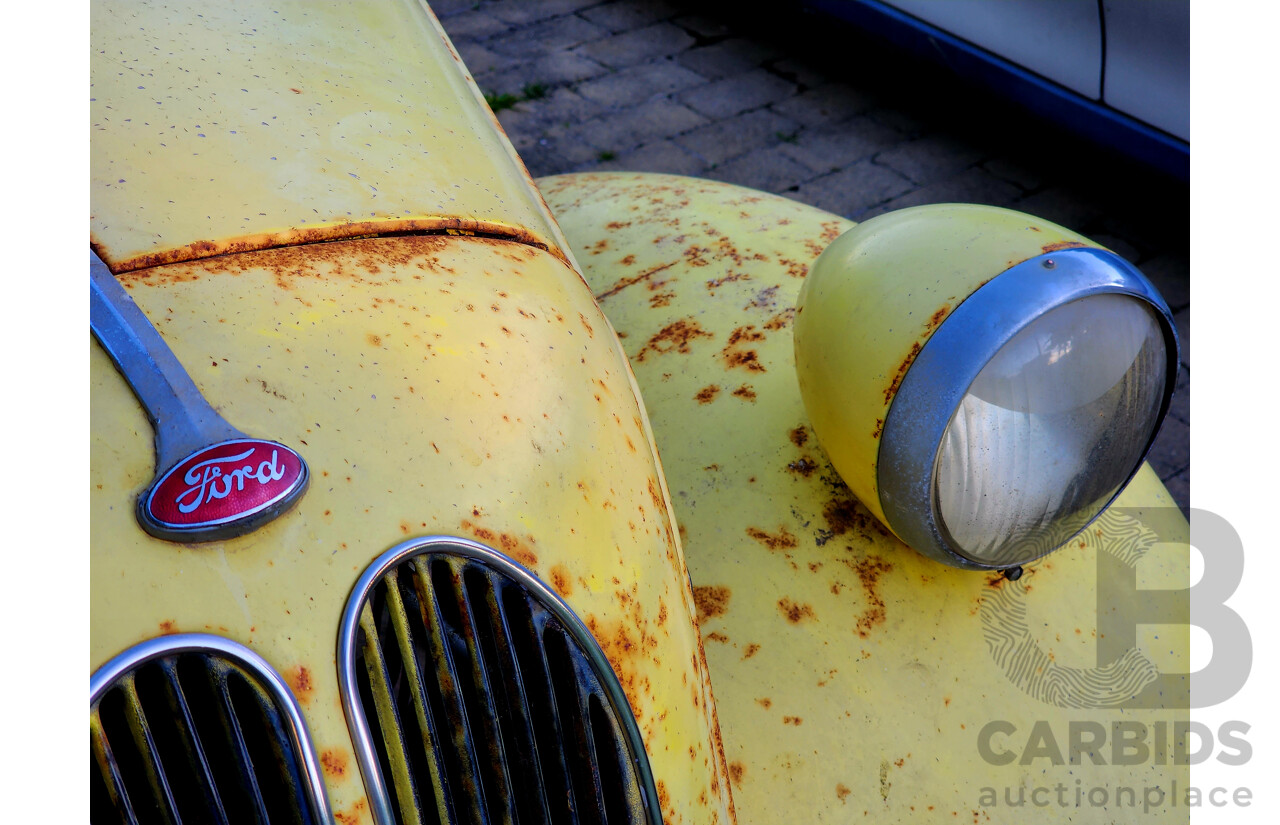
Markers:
<point>586,708</point>
<point>121,670</point>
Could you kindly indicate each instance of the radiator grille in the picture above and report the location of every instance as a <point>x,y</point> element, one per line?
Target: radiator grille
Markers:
<point>192,729</point>
<point>481,698</point>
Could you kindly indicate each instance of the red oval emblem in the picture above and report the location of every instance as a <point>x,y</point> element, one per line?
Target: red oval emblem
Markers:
<point>224,490</point>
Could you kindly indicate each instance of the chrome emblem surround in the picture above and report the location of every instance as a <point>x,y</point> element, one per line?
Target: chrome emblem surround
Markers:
<point>223,490</point>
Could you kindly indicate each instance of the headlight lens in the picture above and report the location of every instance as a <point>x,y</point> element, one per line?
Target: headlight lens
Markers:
<point>1051,428</point>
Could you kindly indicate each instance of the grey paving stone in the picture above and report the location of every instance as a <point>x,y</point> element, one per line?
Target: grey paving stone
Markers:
<point>908,123</point>
<point>549,70</point>
<point>1062,207</point>
<point>472,24</point>
<point>1015,172</point>
<point>705,27</point>
<point>828,148</point>
<point>445,8</point>
<point>653,120</point>
<point>931,158</point>
<point>1118,245</point>
<point>740,93</point>
<point>762,169</point>
<point>800,71</point>
<point>638,45</point>
<point>973,185</point>
<point>824,105</point>
<point>556,115</point>
<point>477,58</point>
<point>547,37</point>
<point>633,85</point>
<point>854,189</point>
<point>1171,452</point>
<point>728,57</point>
<point>523,12</point>
<point>659,156</point>
<point>550,156</point>
<point>725,139</point>
<point>1170,272</point>
<point>1182,322</point>
<point>624,15</point>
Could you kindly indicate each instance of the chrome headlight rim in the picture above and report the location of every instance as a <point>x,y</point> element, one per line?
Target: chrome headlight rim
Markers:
<point>949,362</point>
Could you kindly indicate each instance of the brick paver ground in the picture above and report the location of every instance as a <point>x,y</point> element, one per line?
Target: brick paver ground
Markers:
<point>808,110</point>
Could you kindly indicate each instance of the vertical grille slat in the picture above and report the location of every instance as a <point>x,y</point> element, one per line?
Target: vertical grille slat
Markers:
<point>528,721</point>
<point>388,719</point>
<point>110,782</point>
<point>515,712</point>
<point>462,765</point>
<point>526,633</point>
<point>412,658</point>
<point>200,791</point>
<point>572,705</point>
<point>230,723</point>
<point>482,715</point>
<point>193,729</point>
<point>161,806</point>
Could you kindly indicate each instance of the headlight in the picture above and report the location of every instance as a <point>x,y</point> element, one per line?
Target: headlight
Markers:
<point>986,382</point>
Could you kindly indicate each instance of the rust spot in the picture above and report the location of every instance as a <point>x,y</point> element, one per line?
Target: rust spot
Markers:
<point>752,649</point>
<point>334,763</point>
<point>168,628</point>
<point>844,513</point>
<point>901,373</point>
<point>735,355</point>
<point>879,428</point>
<point>765,702</point>
<point>869,571</point>
<point>586,325</point>
<point>508,543</point>
<point>711,601</point>
<point>1057,246</point>
<point>662,299</point>
<point>736,770</point>
<point>780,320</point>
<point>374,340</point>
<point>707,394</point>
<point>783,540</point>
<point>799,436</point>
<point>996,580</point>
<point>674,337</point>
<point>299,679</point>
<point>352,815</point>
<point>746,392</point>
<point>716,283</point>
<point>717,637</point>
<point>561,581</point>
<point>307,244</point>
<point>937,317</point>
<point>765,298</point>
<point>842,791</point>
<point>629,260</point>
<point>794,612</point>
<point>296,91</point>
<point>626,282</point>
<point>804,466</point>
<point>616,225</point>
<point>792,720</point>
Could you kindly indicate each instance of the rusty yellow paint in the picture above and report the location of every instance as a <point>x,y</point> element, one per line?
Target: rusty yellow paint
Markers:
<point>853,676</point>
<point>436,385</point>
<point>223,127</point>
<point>876,295</point>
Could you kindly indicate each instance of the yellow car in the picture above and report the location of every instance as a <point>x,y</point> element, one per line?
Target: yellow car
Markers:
<point>379,527</point>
